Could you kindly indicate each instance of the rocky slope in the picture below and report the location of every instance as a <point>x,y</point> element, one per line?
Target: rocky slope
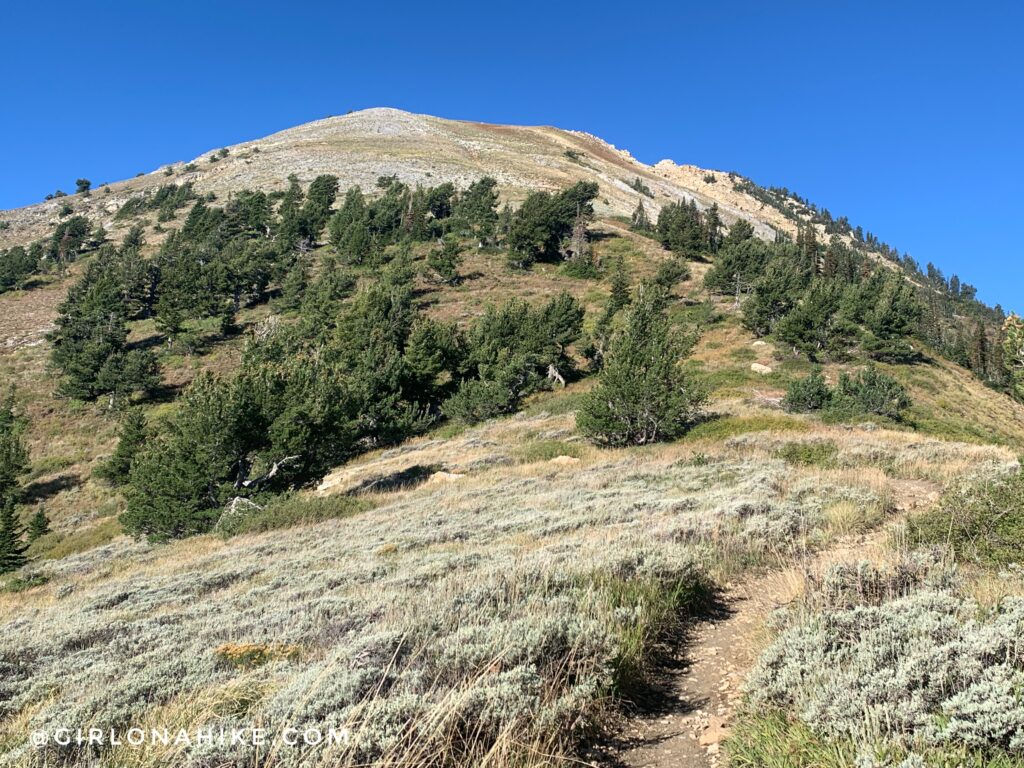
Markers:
<point>419,149</point>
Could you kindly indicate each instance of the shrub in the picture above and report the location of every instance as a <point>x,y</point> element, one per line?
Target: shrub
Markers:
<point>982,522</point>
<point>810,394</point>
<point>250,655</point>
<point>287,512</point>
<point>820,453</point>
<point>873,392</point>
<point>926,669</point>
<point>480,399</point>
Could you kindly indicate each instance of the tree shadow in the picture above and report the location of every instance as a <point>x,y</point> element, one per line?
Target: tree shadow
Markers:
<point>41,490</point>
<point>409,477</point>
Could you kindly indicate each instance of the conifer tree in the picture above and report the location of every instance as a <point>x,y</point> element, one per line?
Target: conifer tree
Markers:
<point>12,549</point>
<point>979,351</point>
<point>131,439</point>
<point>640,221</point>
<point>13,455</point>
<point>477,209</point>
<point>643,395</point>
<point>90,341</point>
<point>444,261</point>
<point>38,525</point>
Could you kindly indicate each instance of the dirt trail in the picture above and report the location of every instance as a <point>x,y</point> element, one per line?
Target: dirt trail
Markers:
<point>686,725</point>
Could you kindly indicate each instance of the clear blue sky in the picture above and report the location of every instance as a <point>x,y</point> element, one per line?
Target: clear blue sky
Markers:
<point>906,117</point>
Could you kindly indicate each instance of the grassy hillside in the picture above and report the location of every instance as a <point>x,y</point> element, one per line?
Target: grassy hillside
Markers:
<point>478,594</point>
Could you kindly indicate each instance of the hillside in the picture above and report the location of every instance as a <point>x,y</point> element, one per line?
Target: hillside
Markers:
<point>454,578</point>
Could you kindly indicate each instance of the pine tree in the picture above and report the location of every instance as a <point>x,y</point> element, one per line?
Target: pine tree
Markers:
<point>13,456</point>
<point>979,351</point>
<point>12,549</point>
<point>131,438</point>
<point>38,525</point>
<point>640,220</point>
<point>643,395</point>
<point>619,296</point>
<point>476,211</point>
<point>90,344</point>
<point>712,229</point>
<point>295,283</point>
<point>444,261</point>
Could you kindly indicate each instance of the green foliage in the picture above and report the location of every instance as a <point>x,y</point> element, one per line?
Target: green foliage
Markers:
<point>476,212</point>
<point>1013,352</point>
<point>642,395</point>
<point>819,453</point>
<point>13,454</point>
<point>166,200</point>
<point>740,261</point>
<point>868,392</point>
<point>510,352</point>
<point>17,264</point>
<point>131,439</point>
<point>871,391</point>
<point>640,221</point>
<point>25,582</point>
<point>810,394</point>
<point>671,272</point>
<point>444,262</point>
<point>90,346</point>
<point>902,662</point>
<point>686,231</point>
<point>544,221</point>
<point>290,511</point>
<point>68,240</point>
<point>13,462</point>
<point>12,549</point>
<point>638,184</point>
<point>545,450</point>
<point>983,521</point>
<point>38,524</point>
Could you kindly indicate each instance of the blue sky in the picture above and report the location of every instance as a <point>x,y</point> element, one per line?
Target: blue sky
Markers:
<point>905,117</point>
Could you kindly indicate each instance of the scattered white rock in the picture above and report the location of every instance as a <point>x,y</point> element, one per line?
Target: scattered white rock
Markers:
<point>562,461</point>
<point>445,477</point>
<point>759,368</point>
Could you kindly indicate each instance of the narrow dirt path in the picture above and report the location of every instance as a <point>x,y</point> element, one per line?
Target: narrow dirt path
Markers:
<point>685,727</point>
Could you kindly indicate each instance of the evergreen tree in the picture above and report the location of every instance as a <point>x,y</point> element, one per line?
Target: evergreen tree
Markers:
<point>131,439</point>
<point>643,395</point>
<point>13,455</point>
<point>317,208</point>
<point>295,283</point>
<point>640,222</point>
<point>544,221</point>
<point>810,394</point>
<point>12,549</point>
<point>444,262</point>
<point>476,211</point>
<point>290,225</point>
<point>38,525</point>
<point>979,351</point>
<point>619,296</point>
<point>740,230</point>
<point>681,229</point>
<point>90,341</point>
<point>175,486</point>
<point>712,229</point>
